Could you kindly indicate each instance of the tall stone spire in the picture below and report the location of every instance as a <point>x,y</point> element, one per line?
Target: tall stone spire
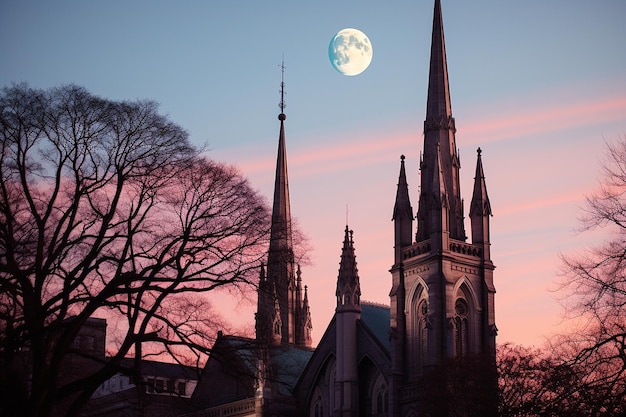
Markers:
<point>281,237</point>
<point>282,300</point>
<point>442,295</point>
<point>439,130</point>
<point>438,101</point>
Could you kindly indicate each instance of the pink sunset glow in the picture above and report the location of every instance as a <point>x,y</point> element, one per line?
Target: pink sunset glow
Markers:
<point>534,218</point>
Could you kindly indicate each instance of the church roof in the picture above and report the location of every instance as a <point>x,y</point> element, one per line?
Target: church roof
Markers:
<point>163,369</point>
<point>287,361</point>
<point>376,318</point>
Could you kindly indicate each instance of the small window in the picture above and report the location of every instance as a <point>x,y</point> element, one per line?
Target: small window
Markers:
<point>182,388</point>
<point>150,385</point>
<point>90,343</point>
<point>159,385</point>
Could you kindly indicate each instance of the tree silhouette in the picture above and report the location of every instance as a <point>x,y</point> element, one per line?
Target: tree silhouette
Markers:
<point>595,287</point>
<point>106,209</point>
<point>534,382</point>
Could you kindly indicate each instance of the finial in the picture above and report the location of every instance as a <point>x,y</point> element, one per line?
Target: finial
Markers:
<point>479,151</point>
<point>282,104</point>
<point>402,158</point>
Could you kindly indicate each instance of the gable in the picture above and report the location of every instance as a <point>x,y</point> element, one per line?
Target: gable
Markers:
<point>229,374</point>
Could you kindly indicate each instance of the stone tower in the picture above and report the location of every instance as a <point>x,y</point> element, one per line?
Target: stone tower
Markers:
<point>442,297</point>
<point>347,313</point>
<point>283,315</point>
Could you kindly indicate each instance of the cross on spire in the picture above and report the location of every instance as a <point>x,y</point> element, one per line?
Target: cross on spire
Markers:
<point>282,104</point>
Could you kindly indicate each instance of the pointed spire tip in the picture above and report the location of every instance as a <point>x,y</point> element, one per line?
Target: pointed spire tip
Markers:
<point>282,104</point>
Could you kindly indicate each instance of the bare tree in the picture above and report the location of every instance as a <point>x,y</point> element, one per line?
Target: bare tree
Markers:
<point>535,382</point>
<point>595,287</point>
<point>106,208</point>
<point>522,373</point>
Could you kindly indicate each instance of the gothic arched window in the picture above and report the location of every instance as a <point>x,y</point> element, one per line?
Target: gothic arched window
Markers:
<point>332,394</point>
<point>318,407</point>
<point>423,332</point>
<point>419,333</point>
<point>380,397</point>
<point>461,331</point>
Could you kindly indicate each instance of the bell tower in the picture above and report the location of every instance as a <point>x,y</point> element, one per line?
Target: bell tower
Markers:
<point>442,296</point>
<point>347,313</point>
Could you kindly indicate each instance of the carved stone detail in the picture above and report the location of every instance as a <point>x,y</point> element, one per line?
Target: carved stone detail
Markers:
<point>434,123</point>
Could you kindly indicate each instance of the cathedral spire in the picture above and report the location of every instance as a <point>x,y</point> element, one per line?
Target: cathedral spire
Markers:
<point>439,130</point>
<point>281,238</point>
<point>402,214</point>
<point>438,102</point>
<point>306,324</point>
<point>480,209</point>
<point>439,208</point>
<point>281,268</point>
<point>348,287</point>
<point>347,314</point>
<point>480,200</point>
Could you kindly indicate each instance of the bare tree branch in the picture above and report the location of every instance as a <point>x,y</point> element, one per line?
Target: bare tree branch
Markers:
<point>105,208</point>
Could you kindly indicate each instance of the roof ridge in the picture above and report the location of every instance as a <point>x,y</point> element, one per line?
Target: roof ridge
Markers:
<point>375,304</point>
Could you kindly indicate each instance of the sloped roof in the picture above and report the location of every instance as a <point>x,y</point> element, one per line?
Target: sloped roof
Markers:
<point>376,317</point>
<point>163,369</point>
<point>288,361</point>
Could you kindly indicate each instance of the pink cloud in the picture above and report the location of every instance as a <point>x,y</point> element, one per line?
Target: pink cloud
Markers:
<point>553,200</point>
<point>356,149</point>
<point>547,118</point>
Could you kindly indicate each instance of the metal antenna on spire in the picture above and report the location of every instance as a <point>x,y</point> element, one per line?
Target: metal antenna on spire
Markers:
<point>282,104</point>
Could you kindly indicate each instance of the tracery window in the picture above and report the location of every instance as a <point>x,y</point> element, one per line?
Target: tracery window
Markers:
<point>423,332</point>
<point>380,397</point>
<point>332,394</point>
<point>419,333</point>
<point>318,407</point>
<point>461,330</point>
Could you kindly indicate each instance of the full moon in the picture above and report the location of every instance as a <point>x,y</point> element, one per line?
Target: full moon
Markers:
<point>350,51</point>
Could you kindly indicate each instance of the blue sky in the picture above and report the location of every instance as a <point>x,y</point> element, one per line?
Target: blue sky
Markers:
<point>538,85</point>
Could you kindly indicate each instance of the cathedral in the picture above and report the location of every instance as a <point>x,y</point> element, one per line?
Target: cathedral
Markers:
<point>430,352</point>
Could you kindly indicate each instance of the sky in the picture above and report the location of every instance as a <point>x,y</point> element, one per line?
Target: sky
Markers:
<point>538,85</point>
